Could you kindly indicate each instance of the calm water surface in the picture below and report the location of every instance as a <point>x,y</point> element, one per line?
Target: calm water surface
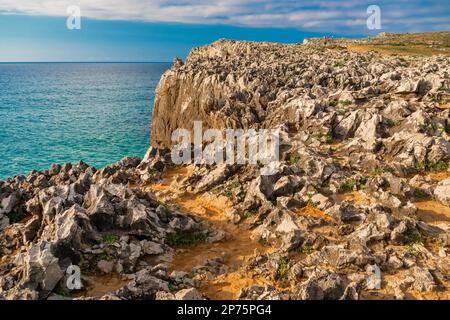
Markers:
<point>57,113</point>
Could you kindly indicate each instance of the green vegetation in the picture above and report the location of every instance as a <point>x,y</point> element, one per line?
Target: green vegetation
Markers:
<point>167,205</point>
<point>182,239</point>
<point>420,194</point>
<point>154,172</point>
<point>435,98</point>
<point>421,167</point>
<point>240,196</point>
<point>92,266</point>
<point>282,272</point>
<point>172,288</point>
<point>262,240</point>
<point>447,129</point>
<point>217,190</point>
<point>328,137</point>
<point>250,213</point>
<point>311,203</point>
<point>414,237</point>
<point>345,103</point>
<point>110,239</point>
<point>306,250</point>
<point>295,160</point>
<point>378,171</point>
<point>398,123</point>
<point>432,125</point>
<point>235,184</point>
<point>17,216</point>
<point>350,185</point>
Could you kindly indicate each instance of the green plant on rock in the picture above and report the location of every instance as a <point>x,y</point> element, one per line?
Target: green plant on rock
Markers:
<point>447,129</point>
<point>311,202</point>
<point>250,213</point>
<point>435,98</point>
<point>345,102</point>
<point>421,167</point>
<point>17,216</point>
<point>413,237</point>
<point>420,193</point>
<point>306,250</point>
<point>184,239</point>
<point>294,160</point>
<point>110,239</point>
<point>348,186</point>
<point>235,184</point>
<point>282,272</point>
<point>154,172</point>
<point>378,171</point>
<point>432,125</point>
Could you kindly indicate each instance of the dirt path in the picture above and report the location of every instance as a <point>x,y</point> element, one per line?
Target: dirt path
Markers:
<point>235,251</point>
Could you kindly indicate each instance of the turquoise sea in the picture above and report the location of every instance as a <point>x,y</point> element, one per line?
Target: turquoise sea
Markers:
<point>66,112</point>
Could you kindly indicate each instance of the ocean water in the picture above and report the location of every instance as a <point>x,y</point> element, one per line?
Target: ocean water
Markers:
<point>61,112</point>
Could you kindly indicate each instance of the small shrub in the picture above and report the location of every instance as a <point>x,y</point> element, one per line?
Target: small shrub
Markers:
<point>414,237</point>
<point>378,171</point>
<point>17,216</point>
<point>110,239</point>
<point>311,203</point>
<point>295,160</point>
<point>348,186</point>
<point>419,193</point>
<point>447,129</point>
<point>306,250</point>
<point>235,184</point>
<point>345,102</point>
<point>282,272</point>
<point>250,213</point>
<point>262,240</point>
<point>432,125</point>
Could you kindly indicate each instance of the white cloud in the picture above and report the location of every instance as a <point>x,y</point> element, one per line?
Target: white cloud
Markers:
<point>326,15</point>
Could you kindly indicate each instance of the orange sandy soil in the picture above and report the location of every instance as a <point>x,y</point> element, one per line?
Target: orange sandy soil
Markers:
<point>390,49</point>
<point>235,251</point>
<point>439,176</point>
<point>99,285</point>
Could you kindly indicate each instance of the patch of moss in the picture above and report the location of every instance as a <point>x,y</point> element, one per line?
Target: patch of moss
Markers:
<point>306,250</point>
<point>311,203</point>
<point>250,213</point>
<point>421,167</point>
<point>348,186</point>
<point>345,103</point>
<point>110,239</point>
<point>413,237</point>
<point>294,160</point>
<point>16,216</point>
<point>184,239</point>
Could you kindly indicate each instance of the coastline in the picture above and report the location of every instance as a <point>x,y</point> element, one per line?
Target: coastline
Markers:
<point>364,185</point>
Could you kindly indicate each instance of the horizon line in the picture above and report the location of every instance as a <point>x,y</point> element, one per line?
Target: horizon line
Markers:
<point>43,62</point>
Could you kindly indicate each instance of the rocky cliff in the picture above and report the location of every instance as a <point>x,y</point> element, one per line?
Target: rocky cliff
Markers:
<point>359,208</point>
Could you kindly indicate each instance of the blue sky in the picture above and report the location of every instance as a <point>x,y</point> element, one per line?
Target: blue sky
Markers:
<point>158,30</point>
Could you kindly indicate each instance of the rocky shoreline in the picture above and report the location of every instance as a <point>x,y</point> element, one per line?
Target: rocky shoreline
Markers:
<point>363,188</point>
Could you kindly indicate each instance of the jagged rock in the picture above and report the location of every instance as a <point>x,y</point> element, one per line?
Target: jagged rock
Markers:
<point>442,192</point>
<point>423,280</point>
<point>188,294</point>
<point>322,285</point>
